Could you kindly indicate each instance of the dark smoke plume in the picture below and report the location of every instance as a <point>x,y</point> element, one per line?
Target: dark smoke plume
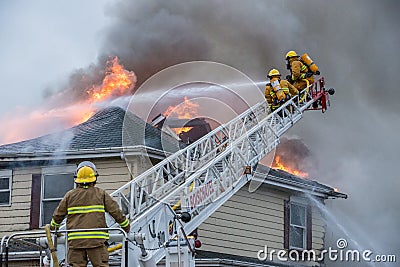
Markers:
<point>353,42</point>
<point>295,155</point>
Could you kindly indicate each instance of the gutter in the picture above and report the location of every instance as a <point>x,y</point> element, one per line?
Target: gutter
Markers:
<point>297,186</point>
<point>84,153</point>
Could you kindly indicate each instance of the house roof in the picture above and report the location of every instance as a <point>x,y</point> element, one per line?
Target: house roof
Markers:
<point>113,128</point>
<point>281,178</point>
<point>102,131</point>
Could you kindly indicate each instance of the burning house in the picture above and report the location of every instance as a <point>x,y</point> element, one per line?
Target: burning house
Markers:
<point>36,173</point>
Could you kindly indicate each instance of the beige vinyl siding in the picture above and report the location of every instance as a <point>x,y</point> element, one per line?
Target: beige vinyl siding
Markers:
<point>249,221</point>
<point>318,229</point>
<point>113,172</point>
<point>17,216</point>
<point>246,223</point>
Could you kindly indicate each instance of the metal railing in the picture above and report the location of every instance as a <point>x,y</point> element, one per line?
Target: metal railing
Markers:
<point>162,179</point>
<point>42,246</point>
<point>159,181</point>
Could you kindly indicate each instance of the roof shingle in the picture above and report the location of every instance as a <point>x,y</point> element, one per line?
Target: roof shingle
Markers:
<point>102,130</point>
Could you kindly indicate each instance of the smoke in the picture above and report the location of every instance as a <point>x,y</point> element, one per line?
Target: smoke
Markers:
<point>295,155</point>
<point>152,35</point>
<point>67,108</point>
<point>353,42</point>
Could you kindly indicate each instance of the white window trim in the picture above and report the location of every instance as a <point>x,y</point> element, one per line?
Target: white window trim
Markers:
<point>53,170</point>
<point>301,204</point>
<point>7,174</point>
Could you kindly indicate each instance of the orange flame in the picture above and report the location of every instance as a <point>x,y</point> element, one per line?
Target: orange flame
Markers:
<point>45,119</point>
<point>278,164</point>
<point>185,110</point>
<point>116,82</point>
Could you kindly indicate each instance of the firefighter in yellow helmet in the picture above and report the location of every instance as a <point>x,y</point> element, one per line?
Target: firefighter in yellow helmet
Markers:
<point>299,71</point>
<point>85,208</point>
<point>277,91</point>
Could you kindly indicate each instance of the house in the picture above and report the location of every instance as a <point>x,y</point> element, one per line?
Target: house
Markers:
<point>279,215</point>
<point>35,174</point>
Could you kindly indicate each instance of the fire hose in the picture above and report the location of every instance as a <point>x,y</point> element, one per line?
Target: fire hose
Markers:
<point>114,248</point>
<point>51,246</point>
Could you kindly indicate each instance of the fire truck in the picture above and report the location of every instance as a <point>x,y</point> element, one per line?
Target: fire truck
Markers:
<point>169,201</point>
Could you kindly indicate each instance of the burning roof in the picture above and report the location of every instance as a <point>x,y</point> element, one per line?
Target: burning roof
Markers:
<point>65,109</point>
<point>102,130</point>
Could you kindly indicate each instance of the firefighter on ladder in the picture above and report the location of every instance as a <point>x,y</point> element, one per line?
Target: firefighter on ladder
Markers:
<point>85,208</point>
<point>301,75</point>
<point>278,91</point>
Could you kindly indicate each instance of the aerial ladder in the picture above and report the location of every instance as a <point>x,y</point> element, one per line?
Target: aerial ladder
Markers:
<point>170,200</point>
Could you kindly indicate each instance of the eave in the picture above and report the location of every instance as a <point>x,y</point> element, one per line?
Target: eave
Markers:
<point>292,185</point>
<point>83,153</point>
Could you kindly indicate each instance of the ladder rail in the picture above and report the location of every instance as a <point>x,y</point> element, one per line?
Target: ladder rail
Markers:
<point>227,181</point>
<point>158,182</point>
<point>187,160</point>
<point>217,160</point>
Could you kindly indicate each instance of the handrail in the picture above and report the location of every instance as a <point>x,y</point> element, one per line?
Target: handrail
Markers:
<point>6,239</point>
<point>160,180</point>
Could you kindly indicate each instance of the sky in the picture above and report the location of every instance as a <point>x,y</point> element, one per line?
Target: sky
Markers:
<point>354,146</point>
<point>42,42</point>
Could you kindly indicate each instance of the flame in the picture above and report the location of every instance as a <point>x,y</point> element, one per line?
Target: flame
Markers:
<point>185,110</point>
<point>116,82</point>
<point>44,119</point>
<point>278,164</point>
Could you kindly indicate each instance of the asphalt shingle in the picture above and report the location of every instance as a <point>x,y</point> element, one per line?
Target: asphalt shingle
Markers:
<point>102,130</point>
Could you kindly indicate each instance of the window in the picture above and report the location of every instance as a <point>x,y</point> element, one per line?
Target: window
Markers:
<point>298,228</point>
<point>298,232</point>
<point>56,182</point>
<point>5,187</point>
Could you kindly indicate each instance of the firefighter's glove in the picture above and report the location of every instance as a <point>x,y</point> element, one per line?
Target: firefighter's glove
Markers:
<point>53,227</point>
<point>309,74</point>
<point>317,72</point>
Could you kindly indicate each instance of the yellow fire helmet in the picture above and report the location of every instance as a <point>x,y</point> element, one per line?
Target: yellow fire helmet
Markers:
<point>291,54</point>
<point>273,72</point>
<point>86,172</point>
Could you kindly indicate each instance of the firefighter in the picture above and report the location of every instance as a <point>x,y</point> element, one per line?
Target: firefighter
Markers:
<point>299,71</point>
<point>277,91</point>
<point>85,208</point>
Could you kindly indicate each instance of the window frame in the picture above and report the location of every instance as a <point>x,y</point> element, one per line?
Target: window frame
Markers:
<point>54,170</point>
<point>302,201</point>
<point>7,174</point>
<point>305,227</point>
